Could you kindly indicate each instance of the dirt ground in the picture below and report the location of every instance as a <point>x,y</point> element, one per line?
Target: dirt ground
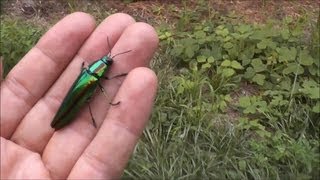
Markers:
<point>153,11</point>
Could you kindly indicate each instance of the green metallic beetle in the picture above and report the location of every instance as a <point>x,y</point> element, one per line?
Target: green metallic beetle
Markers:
<point>82,90</point>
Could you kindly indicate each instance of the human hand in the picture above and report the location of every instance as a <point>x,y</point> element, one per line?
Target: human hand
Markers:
<point>34,89</point>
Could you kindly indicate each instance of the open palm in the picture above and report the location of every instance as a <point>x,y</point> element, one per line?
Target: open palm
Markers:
<point>33,91</point>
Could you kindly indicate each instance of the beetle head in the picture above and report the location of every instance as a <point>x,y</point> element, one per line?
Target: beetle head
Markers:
<point>107,60</point>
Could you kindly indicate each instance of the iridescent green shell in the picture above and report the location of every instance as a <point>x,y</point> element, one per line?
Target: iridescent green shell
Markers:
<point>80,92</point>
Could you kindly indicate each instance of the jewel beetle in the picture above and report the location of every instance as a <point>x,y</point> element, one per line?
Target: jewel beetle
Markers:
<point>83,89</point>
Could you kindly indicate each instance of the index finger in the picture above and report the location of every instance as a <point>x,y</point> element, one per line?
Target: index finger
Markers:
<point>40,67</point>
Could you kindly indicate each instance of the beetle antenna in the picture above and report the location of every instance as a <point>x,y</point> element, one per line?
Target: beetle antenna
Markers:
<point>109,54</point>
<point>121,53</point>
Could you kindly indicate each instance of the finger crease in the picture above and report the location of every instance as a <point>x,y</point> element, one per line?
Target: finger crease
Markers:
<point>122,125</point>
<point>98,164</point>
<point>79,130</point>
<point>47,56</point>
<point>52,102</point>
<point>19,90</point>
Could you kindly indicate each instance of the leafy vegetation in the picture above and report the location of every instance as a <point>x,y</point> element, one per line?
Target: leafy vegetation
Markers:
<point>16,38</point>
<point>275,133</point>
<point>235,100</point>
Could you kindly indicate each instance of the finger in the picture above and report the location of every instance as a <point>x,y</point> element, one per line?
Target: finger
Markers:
<point>15,159</point>
<point>143,40</point>
<point>1,66</point>
<point>40,67</point>
<point>108,153</point>
<point>43,112</point>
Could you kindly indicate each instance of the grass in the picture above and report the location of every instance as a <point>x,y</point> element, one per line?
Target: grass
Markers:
<point>274,132</point>
<point>17,38</point>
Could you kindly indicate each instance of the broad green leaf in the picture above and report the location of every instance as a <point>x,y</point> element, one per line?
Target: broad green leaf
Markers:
<point>244,101</point>
<point>311,88</point>
<point>268,85</point>
<point>193,65</point>
<point>226,63</point>
<point>242,165</point>
<point>263,133</point>
<point>316,108</point>
<point>228,45</point>
<point>233,52</point>
<point>222,32</point>
<point>293,68</point>
<point>222,105</point>
<point>247,55</point>
<point>250,110</point>
<point>288,20</point>
<point>168,34</point>
<point>262,44</point>
<point>228,38</point>
<point>297,31</point>
<point>305,58</point>
<point>177,51</point>
<point>162,37</point>
<point>200,34</point>
<point>244,28</point>
<point>259,79</point>
<point>221,27</point>
<point>261,105</point>
<point>285,33</point>
<point>258,35</point>
<point>286,55</point>
<point>313,70</point>
<point>249,73</point>
<point>216,52</point>
<point>236,65</point>
<point>314,93</point>
<point>246,35</point>
<point>286,84</point>
<point>257,65</point>
<point>225,56</point>
<point>188,42</point>
<point>210,59</point>
<point>180,89</point>
<point>310,84</point>
<point>236,35</point>
<point>206,29</point>
<point>278,101</point>
<point>201,59</point>
<point>227,98</point>
<point>228,72</point>
<point>206,65</point>
<point>266,43</point>
<point>205,52</point>
<point>246,61</point>
<point>272,44</point>
<point>189,51</point>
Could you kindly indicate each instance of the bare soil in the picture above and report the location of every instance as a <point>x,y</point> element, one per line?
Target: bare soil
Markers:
<point>155,11</point>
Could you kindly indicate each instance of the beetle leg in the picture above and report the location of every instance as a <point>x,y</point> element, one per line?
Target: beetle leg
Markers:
<point>104,93</point>
<point>93,121</point>
<point>82,66</point>
<point>114,104</point>
<point>116,76</point>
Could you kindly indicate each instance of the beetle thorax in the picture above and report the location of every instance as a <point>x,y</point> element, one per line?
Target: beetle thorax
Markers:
<point>100,66</point>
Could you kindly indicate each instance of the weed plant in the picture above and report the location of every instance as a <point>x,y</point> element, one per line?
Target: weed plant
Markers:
<point>16,39</point>
<point>274,133</point>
